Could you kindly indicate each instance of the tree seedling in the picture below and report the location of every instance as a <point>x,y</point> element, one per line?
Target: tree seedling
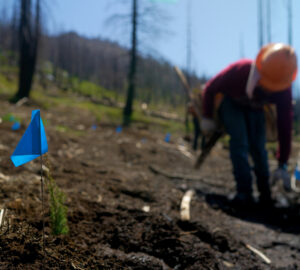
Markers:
<point>58,209</point>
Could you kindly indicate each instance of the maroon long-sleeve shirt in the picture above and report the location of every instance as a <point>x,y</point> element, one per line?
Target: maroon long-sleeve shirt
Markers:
<point>232,81</point>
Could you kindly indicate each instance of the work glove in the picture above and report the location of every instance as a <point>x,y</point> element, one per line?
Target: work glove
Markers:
<point>281,173</point>
<point>207,125</point>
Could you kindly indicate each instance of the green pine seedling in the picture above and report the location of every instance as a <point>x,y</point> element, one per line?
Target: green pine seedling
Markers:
<point>58,211</point>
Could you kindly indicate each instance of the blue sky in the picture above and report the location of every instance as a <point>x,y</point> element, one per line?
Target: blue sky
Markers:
<point>222,30</point>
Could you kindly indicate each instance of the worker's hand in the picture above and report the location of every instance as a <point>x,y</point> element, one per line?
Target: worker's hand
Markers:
<point>207,125</point>
<point>281,173</point>
<point>191,109</point>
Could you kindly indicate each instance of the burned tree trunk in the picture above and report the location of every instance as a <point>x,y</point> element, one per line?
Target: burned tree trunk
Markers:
<point>132,68</point>
<point>260,24</point>
<point>29,33</point>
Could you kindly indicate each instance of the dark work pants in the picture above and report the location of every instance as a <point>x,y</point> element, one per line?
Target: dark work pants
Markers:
<point>246,128</point>
<point>197,132</point>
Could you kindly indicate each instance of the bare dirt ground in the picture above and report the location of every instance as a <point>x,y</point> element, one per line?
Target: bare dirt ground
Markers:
<point>123,195</point>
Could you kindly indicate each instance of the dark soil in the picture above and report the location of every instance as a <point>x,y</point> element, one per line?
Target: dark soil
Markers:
<point>124,215</point>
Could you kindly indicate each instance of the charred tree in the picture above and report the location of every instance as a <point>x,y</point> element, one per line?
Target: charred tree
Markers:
<point>29,33</point>
<point>14,32</point>
<point>269,35</point>
<point>127,112</point>
<point>260,24</point>
<point>290,24</point>
<point>188,61</point>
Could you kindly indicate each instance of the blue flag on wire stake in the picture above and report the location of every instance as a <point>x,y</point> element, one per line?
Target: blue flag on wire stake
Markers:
<point>119,129</point>
<point>16,126</point>
<point>297,173</point>
<point>33,143</point>
<point>168,137</point>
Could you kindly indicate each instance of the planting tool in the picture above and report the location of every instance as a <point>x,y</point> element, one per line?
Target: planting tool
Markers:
<point>208,142</point>
<point>195,102</point>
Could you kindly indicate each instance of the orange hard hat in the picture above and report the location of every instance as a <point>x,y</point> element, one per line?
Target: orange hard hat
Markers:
<point>277,66</point>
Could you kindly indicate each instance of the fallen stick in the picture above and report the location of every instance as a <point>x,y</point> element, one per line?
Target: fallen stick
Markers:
<point>157,170</point>
<point>182,150</point>
<point>185,205</point>
<point>4,177</point>
<point>172,176</point>
<point>259,253</point>
<point>188,232</point>
<point>2,216</point>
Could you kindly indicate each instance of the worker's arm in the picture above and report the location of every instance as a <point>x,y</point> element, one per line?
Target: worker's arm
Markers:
<point>230,81</point>
<point>212,87</point>
<point>283,101</point>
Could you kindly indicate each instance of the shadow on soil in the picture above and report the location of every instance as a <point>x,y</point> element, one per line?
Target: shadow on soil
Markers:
<point>281,218</point>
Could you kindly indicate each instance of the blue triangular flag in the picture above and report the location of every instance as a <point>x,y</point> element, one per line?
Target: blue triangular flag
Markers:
<point>119,129</point>
<point>297,173</point>
<point>168,137</point>
<point>16,126</point>
<point>33,143</point>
